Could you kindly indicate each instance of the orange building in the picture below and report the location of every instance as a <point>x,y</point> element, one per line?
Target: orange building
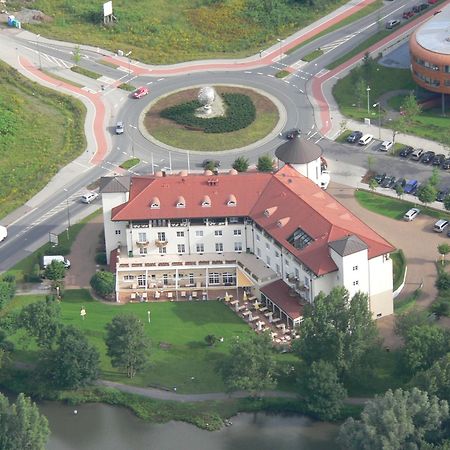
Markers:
<point>430,54</point>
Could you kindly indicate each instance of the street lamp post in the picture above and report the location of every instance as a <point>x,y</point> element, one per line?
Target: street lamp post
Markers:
<point>132,139</point>
<point>129,61</point>
<point>39,50</point>
<point>379,118</point>
<point>368,99</point>
<point>68,211</point>
<point>281,47</point>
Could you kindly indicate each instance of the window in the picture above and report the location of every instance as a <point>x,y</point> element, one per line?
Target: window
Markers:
<point>277,269</point>
<point>218,233</point>
<point>355,267</point>
<point>257,237</point>
<point>143,250</point>
<point>180,233</point>
<point>181,248</point>
<point>161,236</point>
<point>214,278</point>
<point>117,231</point>
<point>258,252</point>
<point>141,280</point>
<point>162,250</point>
<point>277,254</point>
<point>286,262</point>
<point>165,279</point>
<point>142,237</point>
<point>219,247</point>
<point>267,246</point>
<point>355,283</point>
<point>237,232</point>
<point>200,248</point>
<point>199,233</point>
<point>300,239</point>
<point>238,246</point>
<point>191,278</point>
<point>228,278</point>
<point>128,277</point>
<point>268,260</point>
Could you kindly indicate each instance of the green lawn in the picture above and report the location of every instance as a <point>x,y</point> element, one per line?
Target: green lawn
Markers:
<point>40,132</point>
<point>398,267</point>
<point>163,32</point>
<point>392,207</point>
<point>180,326</point>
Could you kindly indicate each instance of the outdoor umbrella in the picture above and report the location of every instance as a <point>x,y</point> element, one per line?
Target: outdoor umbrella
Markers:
<point>227,297</point>
<point>244,297</point>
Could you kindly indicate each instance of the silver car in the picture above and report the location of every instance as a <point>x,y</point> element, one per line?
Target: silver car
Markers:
<point>119,128</point>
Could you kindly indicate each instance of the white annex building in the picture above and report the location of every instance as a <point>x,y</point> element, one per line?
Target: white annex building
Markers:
<point>278,236</point>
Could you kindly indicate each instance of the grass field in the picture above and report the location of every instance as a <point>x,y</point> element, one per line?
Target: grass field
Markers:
<point>398,267</point>
<point>177,331</point>
<point>163,32</point>
<point>40,132</point>
<point>170,133</point>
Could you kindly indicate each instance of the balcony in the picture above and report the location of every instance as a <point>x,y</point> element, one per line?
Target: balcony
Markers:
<point>160,243</point>
<point>142,243</point>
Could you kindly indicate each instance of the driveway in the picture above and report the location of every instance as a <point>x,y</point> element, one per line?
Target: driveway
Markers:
<point>418,242</point>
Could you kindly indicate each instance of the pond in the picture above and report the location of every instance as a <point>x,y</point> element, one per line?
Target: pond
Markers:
<point>103,427</point>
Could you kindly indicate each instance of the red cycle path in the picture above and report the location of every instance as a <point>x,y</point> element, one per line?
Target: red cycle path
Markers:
<point>317,83</point>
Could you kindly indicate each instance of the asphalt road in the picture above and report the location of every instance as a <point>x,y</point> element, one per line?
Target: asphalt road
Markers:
<point>32,227</point>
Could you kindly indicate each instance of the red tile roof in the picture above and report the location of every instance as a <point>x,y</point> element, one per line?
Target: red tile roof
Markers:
<point>278,292</point>
<point>295,197</point>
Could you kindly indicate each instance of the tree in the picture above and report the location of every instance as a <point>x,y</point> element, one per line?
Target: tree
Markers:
<point>443,249</point>
<point>22,426</point>
<point>241,164</point>
<point>337,329</point>
<point>7,289</point>
<point>373,184</point>
<point>436,380</point>
<point>127,343</point>
<point>424,345</point>
<point>321,391</point>
<point>251,364</point>
<point>211,165</point>
<point>443,281</point>
<point>435,178</point>
<point>426,193</point>
<point>398,420</point>
<point>55,271</point>
<point>76,56</point>
<point>73,364</point>
<point>399,190</point>
<point>42,321</point>
<point>410,109</point>
<point>103,283</point>
<point>265,163</point>
<point>210,339</point>
<point>406,321</point>
<point>6,347</point>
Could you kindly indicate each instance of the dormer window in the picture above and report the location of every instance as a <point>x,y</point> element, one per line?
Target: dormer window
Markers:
<point>155,204</point>
<point>282,222</point>
<point>231,200</point>
<point>181,203</point>
<point>206,203</point>
<point>269,211</point>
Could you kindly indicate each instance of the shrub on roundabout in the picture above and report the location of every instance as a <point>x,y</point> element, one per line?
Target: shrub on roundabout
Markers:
<point>240,113</point>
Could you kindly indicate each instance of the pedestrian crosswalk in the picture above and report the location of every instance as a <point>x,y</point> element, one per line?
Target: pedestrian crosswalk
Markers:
<point>332,45</point>
<point>56,61</point>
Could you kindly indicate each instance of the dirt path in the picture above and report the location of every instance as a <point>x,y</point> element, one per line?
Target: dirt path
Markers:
<point>82,255</point>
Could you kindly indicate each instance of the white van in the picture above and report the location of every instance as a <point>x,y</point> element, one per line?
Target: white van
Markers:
<point>46,260</point>
<point>366,139</point>
<point>3,233</point>
<point>440,225</point>
<point>411,214</point>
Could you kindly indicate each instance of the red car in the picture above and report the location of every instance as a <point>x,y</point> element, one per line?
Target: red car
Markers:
<point>432,2</point>
<point>140,92</point>
<point>408,14</point>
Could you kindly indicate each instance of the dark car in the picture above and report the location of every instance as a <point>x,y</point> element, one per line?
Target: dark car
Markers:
<point>408,14</point>
<point>400,182</point>
<point>427,157</point>
<point>441,195</point>
<point>354,137</point>
<point>438,160</point>
<point>415,190</point>
<point>210,162</point>
<point>416,8</point>
<point>387,182</point>
<point>410,186</point>
<point>405,151</point>
<point>379,177</point>
<point>292,134</point>
<point>423,6</point>
<point>446,164</point>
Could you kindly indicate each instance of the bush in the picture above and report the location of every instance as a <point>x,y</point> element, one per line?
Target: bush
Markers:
<point>240,113</point>
<point>100,258</point>
<point>443,281</point>
<point>103,283</point>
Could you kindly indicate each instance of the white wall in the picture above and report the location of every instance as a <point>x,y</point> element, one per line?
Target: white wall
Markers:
<point>381,296</point>
<point>311,170</point>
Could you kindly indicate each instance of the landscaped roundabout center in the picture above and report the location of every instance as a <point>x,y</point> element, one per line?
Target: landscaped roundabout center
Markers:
<point>212,118</point>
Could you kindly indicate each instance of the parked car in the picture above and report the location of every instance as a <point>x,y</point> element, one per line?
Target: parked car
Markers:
<point>354,137</point>
<point>408,14</point>
<point>392,23</point>
<point>210,162</point>
<point>140,92</point>
<point>446,164</point>
<point>386,183</point>
<point>365,139</point>
<point>416,154</point>
<point>119,128</point>
<point>432,2</point>
<point>400,182</point>
<point>415,190</point>
<point>423,6</point>
<point>427,157</point>
<point>405,151</point>
<point>410,186</point>
<point>411,214</point>
<point>3,233</point>
<point>440,225</point>
<point>438,160</point>
<point>386,146</point>
<point>292,134</point>
<point>89,197</point>
<point>379,177</point>
<point>441,195</point>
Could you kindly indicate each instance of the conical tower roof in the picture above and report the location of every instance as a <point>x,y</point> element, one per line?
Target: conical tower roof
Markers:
<point>298,151</point>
